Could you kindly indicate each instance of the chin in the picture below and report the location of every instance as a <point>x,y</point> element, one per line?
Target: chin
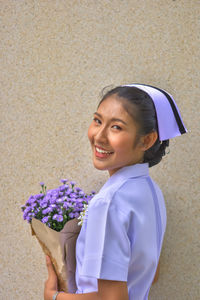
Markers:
<point>99,167</point>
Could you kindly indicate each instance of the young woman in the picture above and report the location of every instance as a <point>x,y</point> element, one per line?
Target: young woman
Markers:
<point>120,242</point>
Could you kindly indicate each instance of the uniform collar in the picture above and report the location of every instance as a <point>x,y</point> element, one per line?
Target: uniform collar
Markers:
<point>125,173</point>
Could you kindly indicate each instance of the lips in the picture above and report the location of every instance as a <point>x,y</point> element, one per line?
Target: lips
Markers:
<point>101,152</point>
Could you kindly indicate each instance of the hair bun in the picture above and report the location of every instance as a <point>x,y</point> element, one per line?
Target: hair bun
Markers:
<point>154,155</point>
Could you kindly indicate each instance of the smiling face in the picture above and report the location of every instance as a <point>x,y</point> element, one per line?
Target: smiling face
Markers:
<point>113,137</point>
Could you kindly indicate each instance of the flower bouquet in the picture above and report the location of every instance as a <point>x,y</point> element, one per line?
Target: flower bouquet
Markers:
<point>56,217</point>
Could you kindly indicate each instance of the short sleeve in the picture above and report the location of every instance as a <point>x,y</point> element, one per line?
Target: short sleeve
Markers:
<point>107,246</point>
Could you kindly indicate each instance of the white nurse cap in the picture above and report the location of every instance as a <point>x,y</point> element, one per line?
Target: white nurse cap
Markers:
<point>169,119</point>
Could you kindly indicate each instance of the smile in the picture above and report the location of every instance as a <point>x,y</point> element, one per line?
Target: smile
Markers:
<point>102,151</point>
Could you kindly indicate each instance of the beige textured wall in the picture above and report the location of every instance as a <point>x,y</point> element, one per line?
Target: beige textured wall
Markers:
<point>56,58</point>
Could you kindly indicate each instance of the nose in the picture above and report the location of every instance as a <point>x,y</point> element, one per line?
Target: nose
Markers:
<point>101,136</point>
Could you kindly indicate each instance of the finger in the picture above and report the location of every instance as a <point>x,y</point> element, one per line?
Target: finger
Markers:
<point>50,267</point>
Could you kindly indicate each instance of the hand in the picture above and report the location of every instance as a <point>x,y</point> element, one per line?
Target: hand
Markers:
<point>51,284</point>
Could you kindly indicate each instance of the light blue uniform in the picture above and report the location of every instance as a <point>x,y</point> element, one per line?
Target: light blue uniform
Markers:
<point>122,234</point>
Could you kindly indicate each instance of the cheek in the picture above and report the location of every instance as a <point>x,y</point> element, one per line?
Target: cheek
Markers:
<point>121,142</point>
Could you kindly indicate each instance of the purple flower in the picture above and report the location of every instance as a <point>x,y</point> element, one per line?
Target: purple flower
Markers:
<point>50,209</point>
<point>76,209</point>
<point>68,191</point>
<point>39,196</point>
<point>43,204</point>
<point>79,200</point>
<point>81,193</point>
<point>53,206</point>
<point>49,192</point>
<point>46,210</point>
<point>59,200</point>
<point>45,219</point>
<point>27,209</point>
<point>71,215</point>
<point>72,195</point>
<point>59,211</point>
<point>62,188</point>
<point>73,200</point>
<point>59,218</point>
<point>37,210</point>
<point>63,180</point>
<point>55,217</point>
<point>47,197</point>
<point>65,205</point>
<point>33,205</point>
<point>31,200</point>
<point>53,200</point>
<point>54,193</point>
<point>76,214</point>
<point>28,219</point>
<point>24,216</point>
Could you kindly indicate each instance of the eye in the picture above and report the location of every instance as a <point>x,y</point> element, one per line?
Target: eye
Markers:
<point>96,120</point>
<point>116,127</point>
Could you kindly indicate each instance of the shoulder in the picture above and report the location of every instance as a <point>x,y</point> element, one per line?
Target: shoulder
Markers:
<point>123,196</point>
<point>134,193</point>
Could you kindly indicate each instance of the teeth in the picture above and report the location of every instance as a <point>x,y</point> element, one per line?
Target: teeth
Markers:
<point>102,151</point>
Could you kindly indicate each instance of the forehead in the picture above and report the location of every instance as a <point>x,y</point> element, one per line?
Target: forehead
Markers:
<point>115,106</point>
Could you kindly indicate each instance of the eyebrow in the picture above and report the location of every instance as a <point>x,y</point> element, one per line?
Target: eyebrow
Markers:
<point>112,120</point>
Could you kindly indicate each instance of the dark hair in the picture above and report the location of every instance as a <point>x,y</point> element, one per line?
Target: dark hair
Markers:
<point>144,114</point>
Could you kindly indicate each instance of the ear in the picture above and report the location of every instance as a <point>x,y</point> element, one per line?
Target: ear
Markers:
<point>148,140</point>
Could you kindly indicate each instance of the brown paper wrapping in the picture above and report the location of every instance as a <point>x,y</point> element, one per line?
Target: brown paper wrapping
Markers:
<point>61,247</point>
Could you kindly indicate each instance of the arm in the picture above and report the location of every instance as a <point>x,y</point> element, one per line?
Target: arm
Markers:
<point>107,289</point>
<point>157,273</point>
